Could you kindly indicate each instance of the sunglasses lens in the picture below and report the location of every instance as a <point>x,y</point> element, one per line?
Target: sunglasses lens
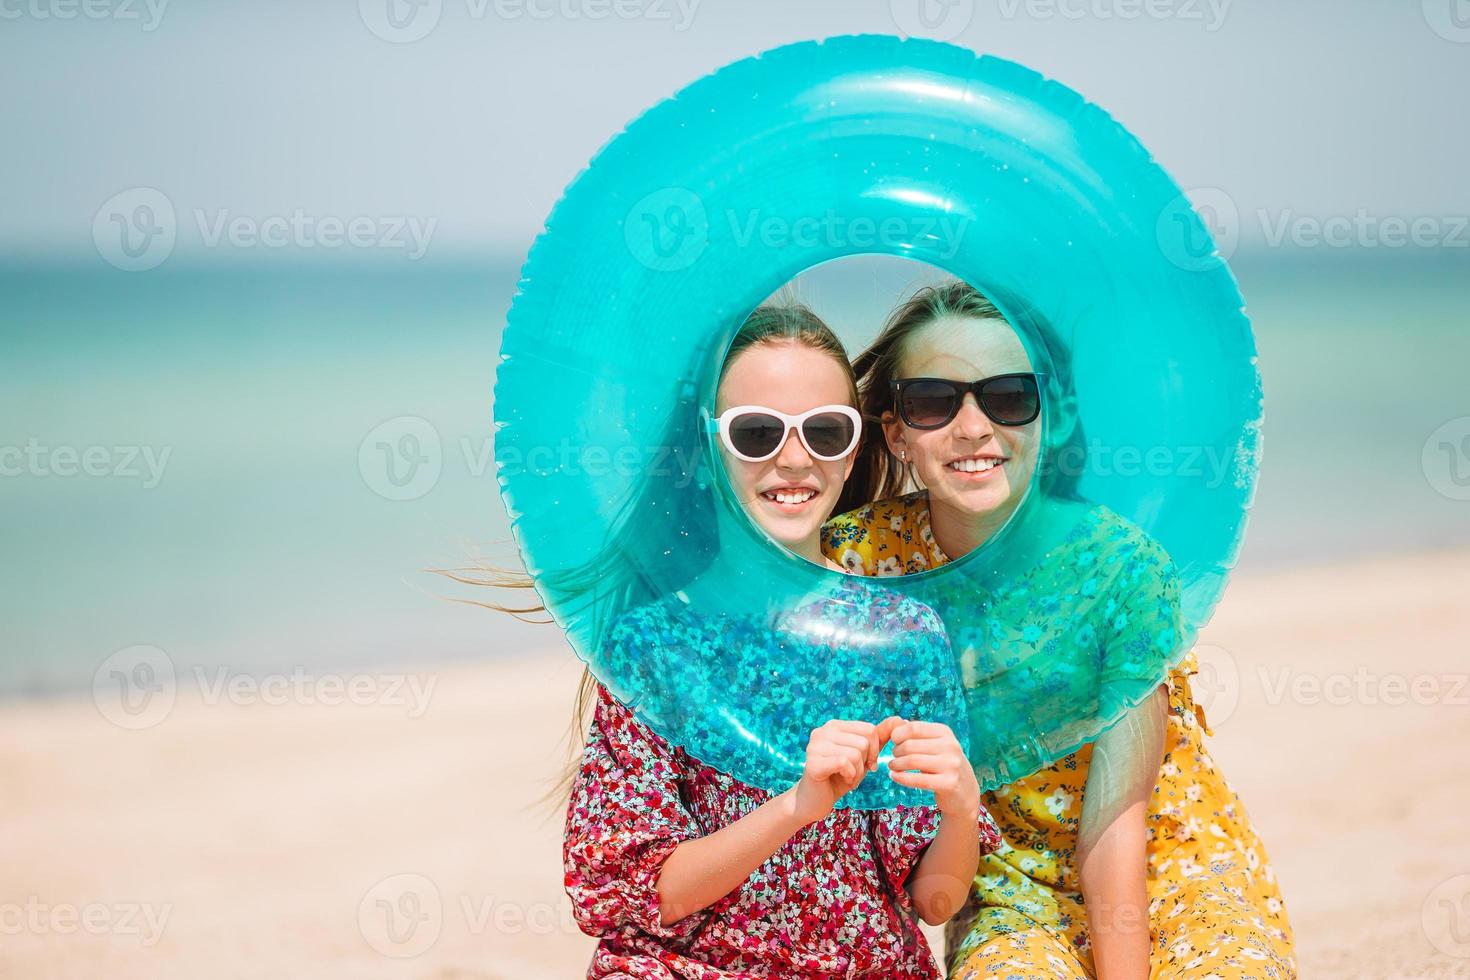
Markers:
<point>828,434</point>
<point>1011,401</point>
<point>756,434</point>
<point>928,403</point>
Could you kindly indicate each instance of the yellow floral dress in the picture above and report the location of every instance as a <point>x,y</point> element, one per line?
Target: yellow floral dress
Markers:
<point>1215,909</point>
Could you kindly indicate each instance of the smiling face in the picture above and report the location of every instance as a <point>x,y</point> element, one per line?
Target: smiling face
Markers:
<point>976,471</point>
<point>793,493</point>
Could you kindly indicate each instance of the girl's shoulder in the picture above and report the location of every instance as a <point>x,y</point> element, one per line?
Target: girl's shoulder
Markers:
<point>1106,564</point>
<point>1104,536</point>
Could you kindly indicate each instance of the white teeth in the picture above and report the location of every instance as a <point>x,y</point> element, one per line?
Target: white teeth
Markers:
<point>791,496</point>
<point>974,465</point>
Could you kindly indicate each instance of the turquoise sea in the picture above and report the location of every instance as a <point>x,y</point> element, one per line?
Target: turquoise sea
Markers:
<point>250,466</point>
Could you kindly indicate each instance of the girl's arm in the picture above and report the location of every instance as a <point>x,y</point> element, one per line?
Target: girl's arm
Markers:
<point>701,872</point>
<point>942,880</point>
<point>1111,841</point>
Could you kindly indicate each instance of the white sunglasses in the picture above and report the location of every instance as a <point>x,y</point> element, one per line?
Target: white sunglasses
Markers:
<point>755,433</point>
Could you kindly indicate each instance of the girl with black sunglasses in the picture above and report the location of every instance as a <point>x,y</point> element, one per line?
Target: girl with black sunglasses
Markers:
<point>1130,857</point>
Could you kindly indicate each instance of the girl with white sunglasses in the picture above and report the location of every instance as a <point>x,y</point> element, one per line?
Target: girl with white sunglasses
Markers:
<point>680,869</point>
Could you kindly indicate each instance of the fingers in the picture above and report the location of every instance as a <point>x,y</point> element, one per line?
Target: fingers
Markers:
<point>848,764</point>
<point>923,763</point>
<point>885,728</point>
<point>837,753</point>
<point>827,766</point>
<point>825,740</point>
<point>922,729</point>
<point>934,782</point>
<point>852,733</point>
<point>926,749</point>
<point>927,746</point>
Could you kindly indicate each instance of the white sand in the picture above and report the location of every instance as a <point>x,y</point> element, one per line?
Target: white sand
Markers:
<point>273,841</point>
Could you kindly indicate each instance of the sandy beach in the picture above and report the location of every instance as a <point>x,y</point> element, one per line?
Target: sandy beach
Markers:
<point>285,837</point>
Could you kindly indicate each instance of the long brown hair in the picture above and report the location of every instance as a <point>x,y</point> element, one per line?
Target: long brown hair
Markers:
<point>647,551</point>
<point>876,473</point>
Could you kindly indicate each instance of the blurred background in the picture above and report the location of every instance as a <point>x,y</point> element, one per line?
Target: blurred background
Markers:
<point>254,264</point>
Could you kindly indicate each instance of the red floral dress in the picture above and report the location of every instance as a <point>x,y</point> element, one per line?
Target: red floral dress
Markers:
<point>830,903</point>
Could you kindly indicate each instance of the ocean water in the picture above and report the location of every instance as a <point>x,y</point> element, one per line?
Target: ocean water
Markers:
<point>250,467</point>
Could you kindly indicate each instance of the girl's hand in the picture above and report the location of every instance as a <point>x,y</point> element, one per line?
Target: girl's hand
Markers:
<point>838,756</point>
<point>932,749</point>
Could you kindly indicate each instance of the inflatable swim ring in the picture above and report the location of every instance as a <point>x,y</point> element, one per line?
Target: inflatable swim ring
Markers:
<point>714,198</point>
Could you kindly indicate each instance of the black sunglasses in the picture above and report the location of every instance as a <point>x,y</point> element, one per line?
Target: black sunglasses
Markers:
<point>932,403</point>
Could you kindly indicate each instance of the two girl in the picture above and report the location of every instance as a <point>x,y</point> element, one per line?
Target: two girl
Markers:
<point>680,869</point>
<point>1129,858</point>
<point>1132,857</point>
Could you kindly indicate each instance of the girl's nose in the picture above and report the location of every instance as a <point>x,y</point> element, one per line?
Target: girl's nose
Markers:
<point>972,423</point>
<point>793,454</point>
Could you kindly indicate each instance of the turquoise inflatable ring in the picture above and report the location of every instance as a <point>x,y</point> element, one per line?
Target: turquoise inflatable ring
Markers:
<point>710,201</point>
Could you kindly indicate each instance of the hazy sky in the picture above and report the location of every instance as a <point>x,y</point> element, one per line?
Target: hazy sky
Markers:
<point>260,108</point>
